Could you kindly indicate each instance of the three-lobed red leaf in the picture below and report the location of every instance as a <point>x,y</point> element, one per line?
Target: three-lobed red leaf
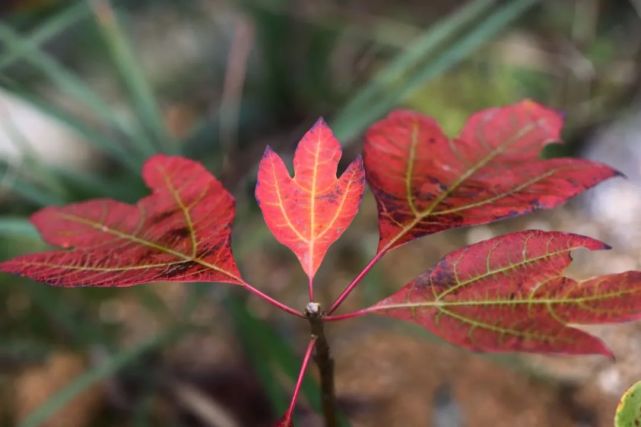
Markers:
<point>181,232</point>
<point>425,182</point>
<point>509,294</point>
<point>309,212</point>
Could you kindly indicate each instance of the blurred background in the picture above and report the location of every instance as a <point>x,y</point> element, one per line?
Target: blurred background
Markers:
<point>89,89</point>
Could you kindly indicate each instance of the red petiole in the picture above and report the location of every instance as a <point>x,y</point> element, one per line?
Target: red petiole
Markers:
<point>287,419</point>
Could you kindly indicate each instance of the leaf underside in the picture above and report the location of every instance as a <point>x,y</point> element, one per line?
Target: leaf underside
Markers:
<point>309,212</point>
<point>509,294</point>
<point>181,232</point>
<point>425,182</point>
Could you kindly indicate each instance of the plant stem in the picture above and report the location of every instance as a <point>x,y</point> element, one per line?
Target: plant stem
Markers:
<point>271,300</point>
<point>325,363</point>
<point>349,288</point>
<point>351,315</point>
<point>287,419</point>
<point>310,287</point>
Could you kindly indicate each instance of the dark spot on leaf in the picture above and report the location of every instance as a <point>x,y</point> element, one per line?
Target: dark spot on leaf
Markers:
<point>442,276</point>
<point>536,204</point>
<point>422,281</point>
<point>161,216</point>
<point>179,233</point>
<point>512,213</point>
<point>205,251</point>
<point>331,197</point>
<point>387,199</point>
<point>178,269</point>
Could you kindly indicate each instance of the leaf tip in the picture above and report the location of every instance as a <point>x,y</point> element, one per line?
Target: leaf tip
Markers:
<point>158,159</point>
<point>618,174</point>
<point>320,122</point>
<point>268,151</point>
<point>605,351</point>
<point>598,347</point>
<point>609,171</point>
<point>581,241</point>
<point>598,245</point>
<point>320,131</point>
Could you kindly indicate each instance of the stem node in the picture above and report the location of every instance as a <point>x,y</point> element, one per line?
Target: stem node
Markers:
<point>324,361</point>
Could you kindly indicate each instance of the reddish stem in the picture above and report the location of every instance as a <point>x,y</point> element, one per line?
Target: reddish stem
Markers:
<point>310,285</point>
<point>273,301</point>
<point>352,315</point>
<point>299,382</point>
<point>355,282</point>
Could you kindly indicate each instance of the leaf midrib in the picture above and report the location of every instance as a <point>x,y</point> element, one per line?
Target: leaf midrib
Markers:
<point>312,208</point>
<point>474,323</point>
<point>517,265</point>
<point>118,233</point>
<point>186,214</point>
<point>505,302</point>
<point>442,196</point>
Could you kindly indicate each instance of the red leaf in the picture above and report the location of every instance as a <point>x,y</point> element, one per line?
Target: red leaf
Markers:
<point>179,233</point>
<point>424,182</point>
<point>309,212</point>
<point>508,294</point>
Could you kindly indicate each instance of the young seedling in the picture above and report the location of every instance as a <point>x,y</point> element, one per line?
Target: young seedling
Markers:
<point>504,294</point>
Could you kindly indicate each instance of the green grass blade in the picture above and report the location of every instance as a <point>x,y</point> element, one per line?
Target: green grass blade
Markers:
<point>484,32</point>
<point>255,337</point>
<point>90,185</point>
<point>349,125</point>
<point>12,181</point>
<point>67,317</point>
<point>29,157</point>
<point>17,227</point>
<point>33,194</point>
<point>57,179</point>
<point>384,31</point>
<point>12,176</point>
<point>426,44</point>
<point>111,366</point>
<point>74,87</point>
<point>91,135</point>
<point>47,30</point>
<point>53,177</point>
<point>131,73</point>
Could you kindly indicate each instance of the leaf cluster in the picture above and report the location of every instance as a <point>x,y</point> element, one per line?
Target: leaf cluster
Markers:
<point>504,294</point>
